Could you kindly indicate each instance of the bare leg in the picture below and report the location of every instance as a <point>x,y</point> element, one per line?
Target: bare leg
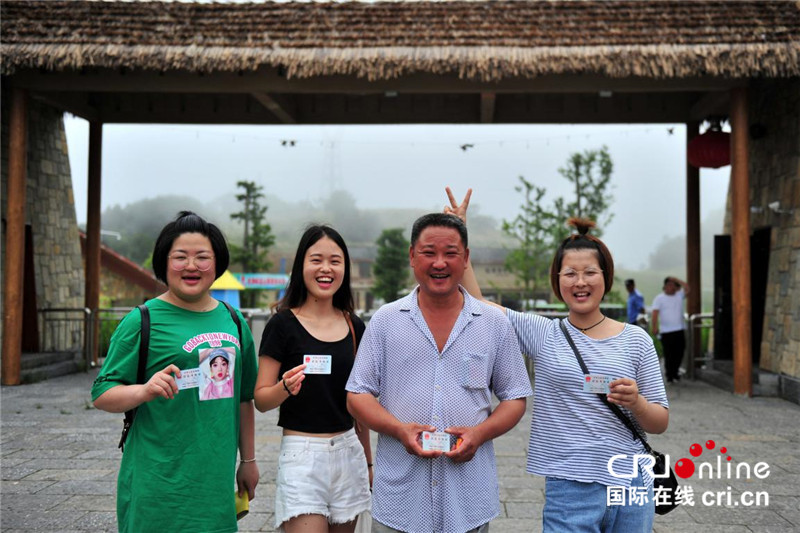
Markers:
<point>306,523</point>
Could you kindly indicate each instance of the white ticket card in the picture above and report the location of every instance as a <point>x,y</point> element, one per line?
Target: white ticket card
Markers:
<point>596,383</point>
<point>317,364</point>
<point>190,379</point>
<point>436,441</point>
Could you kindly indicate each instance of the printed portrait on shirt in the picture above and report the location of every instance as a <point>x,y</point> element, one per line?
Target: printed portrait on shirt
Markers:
<point>216,368</point>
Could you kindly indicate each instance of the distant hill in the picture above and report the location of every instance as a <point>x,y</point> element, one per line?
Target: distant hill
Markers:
<point>140,222</point>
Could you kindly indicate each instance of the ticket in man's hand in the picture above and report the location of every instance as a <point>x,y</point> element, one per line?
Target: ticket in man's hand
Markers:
<point>439,441</point>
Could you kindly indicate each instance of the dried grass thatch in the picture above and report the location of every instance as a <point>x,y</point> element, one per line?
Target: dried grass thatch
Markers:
<point>477,40</point>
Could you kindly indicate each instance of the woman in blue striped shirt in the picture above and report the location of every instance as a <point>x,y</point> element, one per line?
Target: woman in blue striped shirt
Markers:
<point>595,477</point>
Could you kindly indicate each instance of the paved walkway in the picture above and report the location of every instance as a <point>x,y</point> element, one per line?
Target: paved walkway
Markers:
<point>59,463</point>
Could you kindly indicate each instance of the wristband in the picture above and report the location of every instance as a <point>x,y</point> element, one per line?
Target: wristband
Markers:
<point>253,460</point>
<point>369,465</point>
<point>286,388</point>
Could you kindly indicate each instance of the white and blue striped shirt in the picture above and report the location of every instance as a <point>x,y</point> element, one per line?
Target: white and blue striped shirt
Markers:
<point>573,433</point>
<point>399,362</point>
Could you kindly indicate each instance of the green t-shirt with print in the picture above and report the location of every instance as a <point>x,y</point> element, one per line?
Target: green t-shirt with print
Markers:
<point>178,469</point>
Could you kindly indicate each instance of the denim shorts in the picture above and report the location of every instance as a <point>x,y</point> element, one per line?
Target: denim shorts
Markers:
<point>574,506</point>
<point>324,476</point>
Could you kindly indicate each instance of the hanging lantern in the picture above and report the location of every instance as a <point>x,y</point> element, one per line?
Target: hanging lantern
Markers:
<point>711,149</point>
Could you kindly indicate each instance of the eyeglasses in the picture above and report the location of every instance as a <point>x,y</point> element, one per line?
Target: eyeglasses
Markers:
<point>571,277</point>
<point>202,262</point>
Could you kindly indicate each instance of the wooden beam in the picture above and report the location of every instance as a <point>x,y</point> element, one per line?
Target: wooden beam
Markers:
<point>487,107</point>
<point>716,103</point>
<point>740,245</point>
<point>273,106</point>
<point>269,80</point>
<point>71,103</point>
<point>405,108</point>
<point>14,271</point>
<point>693,259</point>
<point>92,282</point>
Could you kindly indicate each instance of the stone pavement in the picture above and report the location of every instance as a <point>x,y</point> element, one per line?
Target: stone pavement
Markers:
<point>59,462</point>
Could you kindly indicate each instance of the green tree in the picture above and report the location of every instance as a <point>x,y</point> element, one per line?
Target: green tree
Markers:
<point>258,237</point>
<point>531,229</point>
<point>590,175</point>
<point>538,230</point>
<point>391,265</point>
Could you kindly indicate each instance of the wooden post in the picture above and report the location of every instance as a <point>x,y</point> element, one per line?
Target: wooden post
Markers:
<point>92,296</point>
<point>740,245</point>
<point>13,273</point>
<point>693,259</point>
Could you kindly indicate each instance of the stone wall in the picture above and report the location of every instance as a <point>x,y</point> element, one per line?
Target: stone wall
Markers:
<point>774,109</point>
<point>50,208</point>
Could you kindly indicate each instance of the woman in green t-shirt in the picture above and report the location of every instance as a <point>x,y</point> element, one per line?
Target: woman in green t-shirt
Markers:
<point>179,462</point>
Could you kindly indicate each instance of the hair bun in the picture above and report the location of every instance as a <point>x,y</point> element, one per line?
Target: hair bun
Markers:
<point>583,225</point>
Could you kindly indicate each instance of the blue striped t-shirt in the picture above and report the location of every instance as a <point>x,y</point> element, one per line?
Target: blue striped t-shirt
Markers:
<point>573,433</point>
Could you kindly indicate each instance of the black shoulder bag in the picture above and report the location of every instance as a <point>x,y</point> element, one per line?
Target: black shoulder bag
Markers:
<point>144,348</point>
<point>666,486</point>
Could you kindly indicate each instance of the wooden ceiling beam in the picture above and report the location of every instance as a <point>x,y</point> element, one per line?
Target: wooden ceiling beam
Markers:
<point>487,107</point>
<point>271,81</point>
<point>276,105</point>
<point>74,103</point>
<point>712,104</point>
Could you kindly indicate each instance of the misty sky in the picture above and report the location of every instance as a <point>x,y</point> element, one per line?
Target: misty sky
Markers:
<point>404,166</point>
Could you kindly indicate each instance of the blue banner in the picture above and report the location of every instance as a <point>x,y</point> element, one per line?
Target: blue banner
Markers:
<point>263,281</point>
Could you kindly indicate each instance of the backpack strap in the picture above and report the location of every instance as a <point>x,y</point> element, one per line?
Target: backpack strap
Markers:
<point>235,318</point>
<point>144,349</point>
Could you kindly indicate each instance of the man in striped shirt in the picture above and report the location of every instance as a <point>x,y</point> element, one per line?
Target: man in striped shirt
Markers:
<point>430,362</point>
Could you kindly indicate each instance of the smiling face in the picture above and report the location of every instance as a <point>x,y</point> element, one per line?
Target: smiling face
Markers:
<point>219,368</point>
<point>439,259</point>
<point>190,285</point>
<point>582,292</point>
<point>323,269</point>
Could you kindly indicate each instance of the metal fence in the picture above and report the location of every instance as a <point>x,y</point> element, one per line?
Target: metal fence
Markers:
<point>72,329</point>
<point>696,323</point>
<point>66,330</point>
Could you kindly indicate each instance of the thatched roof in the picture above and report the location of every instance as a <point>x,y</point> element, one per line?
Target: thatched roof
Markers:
<point>478,40</point>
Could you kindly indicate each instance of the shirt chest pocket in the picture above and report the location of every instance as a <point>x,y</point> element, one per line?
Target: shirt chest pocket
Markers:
<point>475,370</point>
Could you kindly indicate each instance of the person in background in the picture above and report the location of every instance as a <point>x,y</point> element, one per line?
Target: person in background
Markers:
<point>635,302</point>
<point>429,362</point>
<point>307,351</point>
<point>180,455</point>
<point>574,434</point>
<point>669,323</point>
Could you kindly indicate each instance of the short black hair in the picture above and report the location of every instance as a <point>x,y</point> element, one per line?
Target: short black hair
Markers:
<point>438,220</point>
<point>297,292</point>
<point>630,281</point>
<point>189,222</point>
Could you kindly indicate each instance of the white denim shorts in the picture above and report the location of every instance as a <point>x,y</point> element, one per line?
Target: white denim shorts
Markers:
<point>324,476</point>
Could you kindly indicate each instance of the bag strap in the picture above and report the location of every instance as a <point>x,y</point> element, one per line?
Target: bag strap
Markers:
<point>144,349</point>
<point>352,330</point>
<point>235,318</point>
<point>614,408</point>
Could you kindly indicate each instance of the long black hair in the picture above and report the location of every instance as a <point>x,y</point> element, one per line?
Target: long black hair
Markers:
<point>296,292</point>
